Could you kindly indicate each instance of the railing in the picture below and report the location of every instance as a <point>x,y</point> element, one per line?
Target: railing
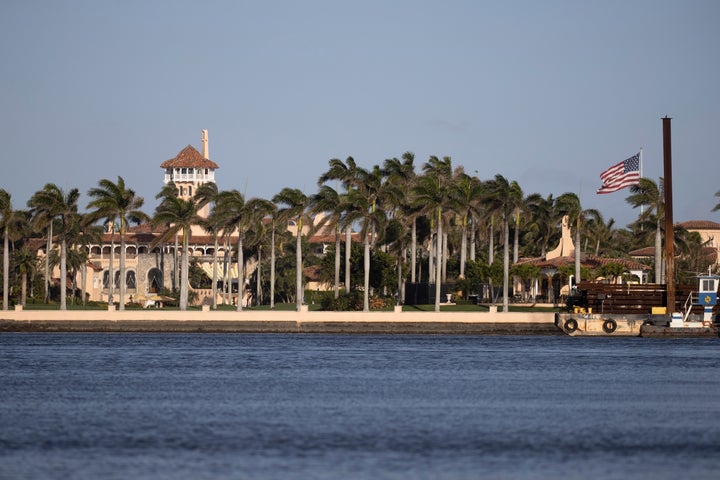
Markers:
<point>691,300</point>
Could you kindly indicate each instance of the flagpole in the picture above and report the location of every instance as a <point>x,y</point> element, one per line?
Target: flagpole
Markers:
<point>642,207</point>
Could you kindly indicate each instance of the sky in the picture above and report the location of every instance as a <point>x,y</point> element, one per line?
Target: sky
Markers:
<point>548,93</point>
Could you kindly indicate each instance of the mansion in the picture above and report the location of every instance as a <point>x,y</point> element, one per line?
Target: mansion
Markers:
<point>151,267</point>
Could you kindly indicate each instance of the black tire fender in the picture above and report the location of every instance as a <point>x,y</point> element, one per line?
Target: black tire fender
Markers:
<point>570,325</point>
<point>609,326</point>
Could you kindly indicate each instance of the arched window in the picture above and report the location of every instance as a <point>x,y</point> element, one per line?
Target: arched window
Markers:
<point>190,191</point>
<point>155,280</point>
<point>130,279</point>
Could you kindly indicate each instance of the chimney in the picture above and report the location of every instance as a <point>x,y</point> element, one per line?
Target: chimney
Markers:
<point>205,153</point>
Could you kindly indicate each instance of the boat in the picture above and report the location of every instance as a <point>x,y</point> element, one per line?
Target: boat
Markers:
<point>596,309</point>
<point>652,310</point>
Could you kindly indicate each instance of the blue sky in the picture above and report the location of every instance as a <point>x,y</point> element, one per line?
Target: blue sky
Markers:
<point>548,93</point>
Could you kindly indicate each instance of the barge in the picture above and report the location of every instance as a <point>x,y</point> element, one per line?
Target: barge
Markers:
<point>632,310</point>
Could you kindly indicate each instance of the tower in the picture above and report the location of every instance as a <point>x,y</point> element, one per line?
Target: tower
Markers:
<point>190,169</point>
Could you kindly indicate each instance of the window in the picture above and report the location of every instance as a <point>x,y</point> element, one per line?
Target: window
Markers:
<point>155,280</point>
<point>190,191</point>
<point>130,279</point>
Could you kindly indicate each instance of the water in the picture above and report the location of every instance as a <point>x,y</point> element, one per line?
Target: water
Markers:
<point>203,406</point>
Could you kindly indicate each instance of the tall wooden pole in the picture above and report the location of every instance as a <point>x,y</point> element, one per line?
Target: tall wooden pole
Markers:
<point>669,231</point>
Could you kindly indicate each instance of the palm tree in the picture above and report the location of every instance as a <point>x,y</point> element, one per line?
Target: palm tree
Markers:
<point>170,190</point>
<point>273,250</point>
<point>117,203</point>
<point>26,262</point>
<point>180,215</point>
<point>19,226</point>
<point>87,235</point>
<point>6,212</point>
<point>296,209</point>
<point>238,214</point>
<point>259,209</point>
<point>42,219</point>
<point>521,207</point>
<point>648,194</point>
<point>346,174</point>
<point>503,198</point>
<point>543,219</point>
<point>431,190</point>
<point>400,175</point>
<point>328,200</point>
<point>207,193</point>
<point>362,205</point>
<point>52,202</point>
<point>465,192</point>
<point>600,231</point>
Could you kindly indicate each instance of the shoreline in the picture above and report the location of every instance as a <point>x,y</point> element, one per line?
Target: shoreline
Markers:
<point>169,321</point>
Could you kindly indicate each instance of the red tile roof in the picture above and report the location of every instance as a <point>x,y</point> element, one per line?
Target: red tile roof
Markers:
<point>700,225</point>
<point>189,158</point>
<point>643,252</point>
<point>591,261</point>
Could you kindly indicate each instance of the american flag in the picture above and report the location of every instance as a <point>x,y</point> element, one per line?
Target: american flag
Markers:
<point>622,175</point>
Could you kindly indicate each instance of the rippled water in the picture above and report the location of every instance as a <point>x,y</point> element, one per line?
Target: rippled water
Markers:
<point>146,406</point>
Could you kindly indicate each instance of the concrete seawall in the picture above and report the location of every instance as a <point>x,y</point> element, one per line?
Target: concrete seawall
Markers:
<point>511,323</point>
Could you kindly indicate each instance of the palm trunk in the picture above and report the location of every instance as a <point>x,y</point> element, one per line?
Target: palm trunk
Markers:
<point>122,267</point>
<point>431,258</point>
<point>258,283</point>
<point>472,239</point>
<point>74,286</point>
<point>23,289</point>
<point>111,280</point>
<point>63,275</point>
<point>463,248</point>
<point>399,276</point>
<point>215,272</point>
<point>577,252</point>
<point>83,281</point>
<point>272,269</point>
<point>226,270</point>
<point>348,249</point>
<point>6,268</point>
<point>413,251</point>
<point>516,239</point>
<point>175,265</point>
<point>438,278</point>
<point>658,254</point>
<point>298,268</point>
<point>184,273</point>
<point>506,263</point>
<point>516,248</point>
<point>337,262</point>
<point>47,263</point>
<point>444,256</point>
<point>491,242</point>
<point>241,271</point>
<point>366,266</point>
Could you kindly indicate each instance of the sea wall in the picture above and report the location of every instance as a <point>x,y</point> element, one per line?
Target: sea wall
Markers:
<point>255,321</point>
